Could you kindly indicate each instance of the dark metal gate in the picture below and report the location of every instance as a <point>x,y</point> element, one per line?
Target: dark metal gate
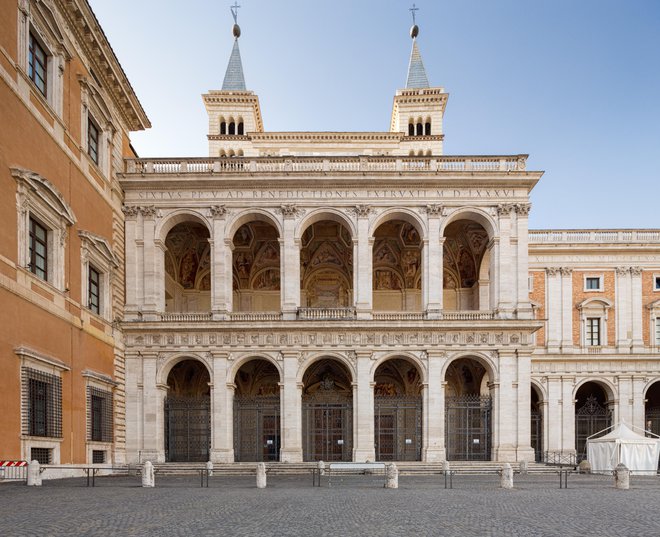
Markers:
<point>327,428</point>
<point>468,428</point>
<point>589,419</point>
<point>398,428</point>
<point>653,420</point>
<point>257,428</point>
<point>187,429</point>
<point>537,433</point>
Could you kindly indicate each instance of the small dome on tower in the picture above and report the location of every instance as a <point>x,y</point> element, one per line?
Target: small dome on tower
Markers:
<point>414,31</point>
<point>236,30</point>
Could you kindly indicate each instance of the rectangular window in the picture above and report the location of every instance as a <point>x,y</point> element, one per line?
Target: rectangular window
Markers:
<point>94,288</point>
<point>41,455</point>
<point>42,395</point>
<point>37,63</point>
<point>656,283</point>
<point>592,283</point>
<point>99,405</point>
<point>38,249</point>
<point>98,456</point>
<point>93,140</point>
<point>593,331</point>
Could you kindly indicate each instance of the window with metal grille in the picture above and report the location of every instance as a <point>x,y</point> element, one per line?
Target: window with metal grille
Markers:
<point>593,331</point>
<point>94,290</point>
<point>41,455</point>
<point>98,456</point>
<point>93,140</point>
<point>38,249</point>
<point>592,283</point>
<point>99,415</point>
<point>37,65</point>
<point>42,401</point>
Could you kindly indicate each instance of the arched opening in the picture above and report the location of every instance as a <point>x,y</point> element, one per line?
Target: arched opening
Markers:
<point>420,129</point>
<point>427,128</point>
<point>411,129</point>
<point>188,413</point>
<point>326,266</point>
<point>256,267</point>
<point>398,411</point>
<point>232,128</point>
<point>465,261</point>
<point>240,128</point>
<point>652,408</point>
<point>468,405</point>
<point>593,413</point>
<point>188,268</point>
<point>257,412</point>
<point>223,127</point>
<point>397,267</point>
<point>327,412</point>
<point>536,424</point>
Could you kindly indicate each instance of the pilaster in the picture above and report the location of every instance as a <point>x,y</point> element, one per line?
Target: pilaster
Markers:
<point>623,309</point>
<point>505,265</point>
<point>363,410</point>
<point>523,307</point>
<point>362,264</point>
<point>524,451</point>
<point>433,264</point>
<point>433,435</point>
<point>222,411</point>
<point>636,309</point>
<point>221,265</point>
<point>553,308</point>
<point>291,409</point>
<point>505,412</point>
<point>290,265</point>
<point>566,309</point>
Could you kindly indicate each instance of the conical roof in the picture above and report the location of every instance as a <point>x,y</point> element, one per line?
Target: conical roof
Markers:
<point>234,79</point>
<point>416,73</point>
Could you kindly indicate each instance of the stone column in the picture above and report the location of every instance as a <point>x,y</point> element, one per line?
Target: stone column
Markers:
<point>362,264</point>
<point>524,446</point>
<point>638,401</point>
<point>626,398</point>
<point>553,308</point>
<point>289,264</point>
<point>291,409</point>
<point>523,307</point>
<point>221,265</point>
<point>159,275</point>
<point>222,410</point>
<point>637,309</point>
<point>568,416</point>
<point>131,268</point>
<point>567,309</point>
<point>505,411</point>
<point>493,249</point>
<point>433,413</point>
<point>363,410</point>
<point>153,446</point>
<point>623,316</point>
<point>505,262</point>
<point>134,406</point>
<point>552,420</point>
<point>433,264</point>
<point>150,258</point>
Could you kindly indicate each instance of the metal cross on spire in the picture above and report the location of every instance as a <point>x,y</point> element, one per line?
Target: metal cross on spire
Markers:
<point>234,11</point>
<point>412,10</point>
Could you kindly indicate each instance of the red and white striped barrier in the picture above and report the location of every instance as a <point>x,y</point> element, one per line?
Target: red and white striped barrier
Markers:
<point>9,464</point>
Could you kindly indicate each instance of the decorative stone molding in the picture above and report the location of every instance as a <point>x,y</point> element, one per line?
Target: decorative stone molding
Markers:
<point>149,211</point>
<point>566,271</point>
<point>636,271</point>
<point>361,211</point>
<point>505,209</point>
<point>622,271</point>
<point>130,211</point>
<point>435,210</point>
<point>522,209</point>
<point>290,211</point>
<point>218,211</point>
<point>552,271</point>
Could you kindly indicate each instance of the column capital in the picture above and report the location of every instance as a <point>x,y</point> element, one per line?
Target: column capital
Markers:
<point>217,212</point>
<point>361,211</point>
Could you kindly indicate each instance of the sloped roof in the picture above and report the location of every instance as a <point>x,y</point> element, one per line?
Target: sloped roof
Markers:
<point>234,79</point>
<point>416,73</point>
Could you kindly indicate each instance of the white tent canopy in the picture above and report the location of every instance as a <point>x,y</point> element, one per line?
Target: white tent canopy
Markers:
<point>622,445</point>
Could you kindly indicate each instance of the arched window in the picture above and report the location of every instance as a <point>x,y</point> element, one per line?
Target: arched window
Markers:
<point>232,128</point>
<point>420,129</point>
<point>223,127</point>
<point>240,129</point>
<point>427,128</point>
<point>411,129</point>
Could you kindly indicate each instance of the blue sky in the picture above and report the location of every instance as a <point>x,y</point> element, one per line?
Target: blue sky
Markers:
<point>573,83</point>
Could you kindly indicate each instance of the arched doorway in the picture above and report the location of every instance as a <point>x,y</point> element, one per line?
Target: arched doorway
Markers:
<point>188,268</point>
<point>593,413</point>
<point>327,412</point>
<point>466,277</point>
<point>326,266</point>
<point>398,411</point>
<point>188,413</point>
<point>536,425</point>
<point>468,406</point>
<point>257,412</point>
<point>397,267</point>
<point>256,268</point>
<point>652,408</point>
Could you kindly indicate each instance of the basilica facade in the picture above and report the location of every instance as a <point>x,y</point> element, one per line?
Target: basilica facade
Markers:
<point>304,296</point>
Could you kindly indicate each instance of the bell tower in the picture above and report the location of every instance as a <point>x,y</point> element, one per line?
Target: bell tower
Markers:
<point>418,109</point>
<point>233,111</point>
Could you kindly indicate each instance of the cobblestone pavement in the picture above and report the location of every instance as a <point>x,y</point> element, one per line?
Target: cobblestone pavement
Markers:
<point>290,506</point>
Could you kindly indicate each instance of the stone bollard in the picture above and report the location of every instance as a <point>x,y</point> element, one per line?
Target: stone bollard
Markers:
<point>261,475</point>
<point>34,474</point>
<point>506,479</point>
<point>445,466</point>
<point>148,476</point>
<point>523,467</point>
<point>209,468</point>
<point>621,477</point>
<point>584,467</point>
<point>392,474</point>
<point>321,467</point>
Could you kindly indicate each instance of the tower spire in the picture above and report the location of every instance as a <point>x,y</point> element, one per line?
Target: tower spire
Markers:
<point>416,73</point>
<point>234,79</point>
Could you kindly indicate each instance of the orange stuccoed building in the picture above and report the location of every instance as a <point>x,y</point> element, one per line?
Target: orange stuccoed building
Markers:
<point>66,108</point>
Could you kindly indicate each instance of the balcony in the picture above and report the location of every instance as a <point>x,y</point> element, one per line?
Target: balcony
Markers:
<point>326,314</point>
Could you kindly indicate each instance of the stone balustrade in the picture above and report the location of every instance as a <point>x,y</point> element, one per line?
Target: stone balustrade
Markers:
<point>326,314</point>
<point>467,315</point>
<point>594,236</point>
<point>185,316</point>
<point>399,316</point>
<point>256,316</point>
<point>260,165</point>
